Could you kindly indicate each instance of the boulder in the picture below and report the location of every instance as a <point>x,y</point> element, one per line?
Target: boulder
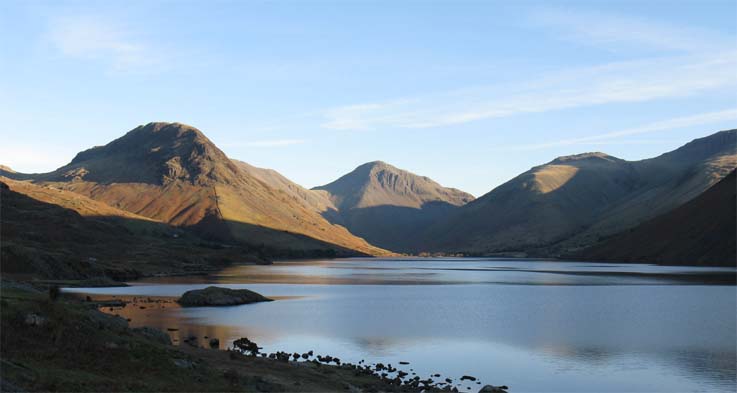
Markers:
<point>34,320</point>
<point>111,345</point>
<point>493,389</point>
<point>217,296</point>
<point>154,334</point>
<point>183,363</point>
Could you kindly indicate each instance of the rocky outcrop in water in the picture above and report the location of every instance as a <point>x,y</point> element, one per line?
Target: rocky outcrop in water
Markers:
<point>217,296</point>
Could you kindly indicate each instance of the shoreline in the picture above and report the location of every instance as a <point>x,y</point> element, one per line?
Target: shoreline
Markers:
<point>107,352</point>
<point>400,375</point>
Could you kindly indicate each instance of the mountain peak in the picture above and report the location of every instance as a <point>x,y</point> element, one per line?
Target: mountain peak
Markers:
<point>596,156</point>
<point>375,163</point>
<point>373,167</point>
<point>155,153</point>
<point>377,183</point>
<point>388,206</point>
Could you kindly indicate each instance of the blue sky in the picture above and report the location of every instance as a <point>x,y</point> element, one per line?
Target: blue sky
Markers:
<point>467,93</point>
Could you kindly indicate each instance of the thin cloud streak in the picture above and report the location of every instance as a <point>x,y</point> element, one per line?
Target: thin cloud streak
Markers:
<point>703,61</point>
<point>608,84</point>
<point>664,125</point>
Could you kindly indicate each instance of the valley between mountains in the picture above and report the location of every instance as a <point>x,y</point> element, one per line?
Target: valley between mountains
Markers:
<point>165,191</point>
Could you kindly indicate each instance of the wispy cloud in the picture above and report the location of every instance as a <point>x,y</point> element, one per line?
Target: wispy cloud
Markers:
<point>97,38</point>
<point>267,143</point>
<point>615,83</point>
<point>663,125</point>
<point>703,61</point>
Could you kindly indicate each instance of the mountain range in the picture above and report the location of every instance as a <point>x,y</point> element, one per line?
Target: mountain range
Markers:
<point>572,201</point>
<point>172,173</point>
<point>172,177</point>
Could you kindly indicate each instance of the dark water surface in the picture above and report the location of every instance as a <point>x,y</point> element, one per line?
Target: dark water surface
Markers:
<point>532,325</point>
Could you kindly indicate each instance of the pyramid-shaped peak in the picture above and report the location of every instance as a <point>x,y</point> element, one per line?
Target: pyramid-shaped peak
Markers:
<point>158,152</point>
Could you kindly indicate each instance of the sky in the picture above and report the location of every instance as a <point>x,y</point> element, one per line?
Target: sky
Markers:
<point>469,94</point>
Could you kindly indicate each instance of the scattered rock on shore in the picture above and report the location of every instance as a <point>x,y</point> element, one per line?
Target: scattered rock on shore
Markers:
<point>217,296</point>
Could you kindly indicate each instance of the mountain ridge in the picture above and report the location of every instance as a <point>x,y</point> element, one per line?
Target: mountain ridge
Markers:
<point>173,173</point>
<point>572,201</point>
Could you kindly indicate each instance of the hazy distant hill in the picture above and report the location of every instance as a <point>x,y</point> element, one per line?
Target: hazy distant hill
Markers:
<point>388,206</point>
<point>703,232</point>
<point>171,172</point>
<point>573,201</point>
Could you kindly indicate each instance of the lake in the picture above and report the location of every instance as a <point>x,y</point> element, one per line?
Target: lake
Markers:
<point>534,325</point>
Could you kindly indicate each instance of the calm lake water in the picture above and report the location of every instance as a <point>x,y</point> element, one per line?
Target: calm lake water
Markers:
<point>532,325</point>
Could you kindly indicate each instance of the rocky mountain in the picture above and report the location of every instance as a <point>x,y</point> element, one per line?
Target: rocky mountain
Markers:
<point>573,201</point>
<point>388,206</point>
<point>701,232</point>
<point>173,173</point>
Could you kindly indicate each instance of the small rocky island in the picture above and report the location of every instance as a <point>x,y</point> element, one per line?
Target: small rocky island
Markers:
<point>217,296</point>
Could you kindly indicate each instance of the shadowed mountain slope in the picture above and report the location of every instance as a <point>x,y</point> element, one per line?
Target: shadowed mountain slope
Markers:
<point>573,201</point>
<point>700,232</point>
<point>55,234</point>
<point>386,205</point>
<point>172,173</point>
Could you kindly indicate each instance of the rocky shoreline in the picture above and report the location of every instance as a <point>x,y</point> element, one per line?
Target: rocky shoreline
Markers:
<point>62,342</point>
<point>401,376</point>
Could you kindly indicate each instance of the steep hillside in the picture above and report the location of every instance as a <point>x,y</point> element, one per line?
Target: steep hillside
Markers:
<point>312,199</point>
<point>538,207</point>
<point>81,204</point>
<point>388,206</point>
<point>55,234</point>
<point>171,172</point>
<point>701,232</point>
<point>573,201</point>
<point>665,182</point>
